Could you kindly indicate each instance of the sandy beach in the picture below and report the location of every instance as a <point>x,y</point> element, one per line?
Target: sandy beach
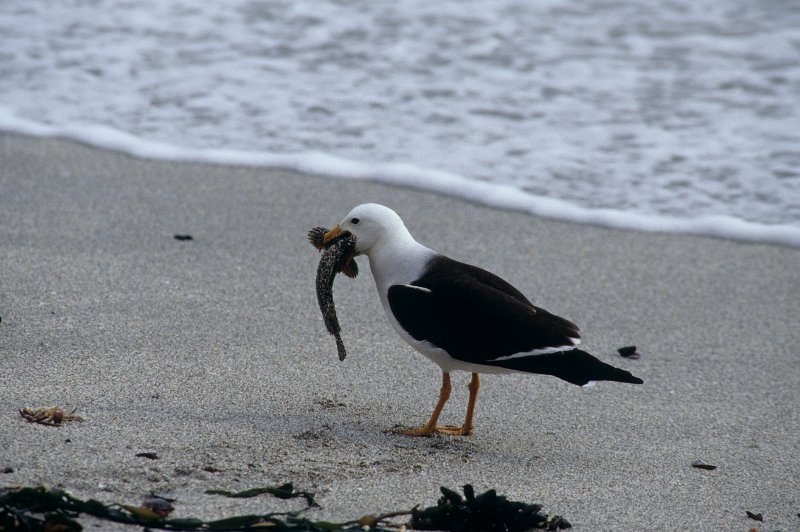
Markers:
<point>212,353</point>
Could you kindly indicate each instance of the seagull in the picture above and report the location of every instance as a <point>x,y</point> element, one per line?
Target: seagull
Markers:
<point>462,317</point>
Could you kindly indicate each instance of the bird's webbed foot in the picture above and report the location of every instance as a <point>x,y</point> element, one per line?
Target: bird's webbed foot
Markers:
<point>428,431</point>
<point>454,430</point>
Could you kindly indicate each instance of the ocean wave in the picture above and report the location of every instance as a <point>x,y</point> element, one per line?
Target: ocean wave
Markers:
<point>496,195</point>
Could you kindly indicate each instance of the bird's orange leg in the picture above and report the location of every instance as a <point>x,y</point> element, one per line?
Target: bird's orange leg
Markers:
<point>430,427</point>
<point>466,428</point>
<point>474,386</point>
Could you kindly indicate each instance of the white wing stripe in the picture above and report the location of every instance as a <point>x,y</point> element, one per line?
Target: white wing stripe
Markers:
<point>542,351</point>
<point>420,288</point>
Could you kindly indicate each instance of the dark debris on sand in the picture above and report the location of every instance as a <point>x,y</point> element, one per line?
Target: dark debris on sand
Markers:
<point>47,508</point>
<point>486,512</point>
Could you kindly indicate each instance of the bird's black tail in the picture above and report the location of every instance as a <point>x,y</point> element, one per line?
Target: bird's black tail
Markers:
<point>575,366</point>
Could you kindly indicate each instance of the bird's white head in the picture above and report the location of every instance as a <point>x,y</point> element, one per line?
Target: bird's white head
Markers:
<point>373,225</point>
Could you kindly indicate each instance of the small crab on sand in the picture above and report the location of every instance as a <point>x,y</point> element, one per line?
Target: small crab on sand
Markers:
<point>52,416</point>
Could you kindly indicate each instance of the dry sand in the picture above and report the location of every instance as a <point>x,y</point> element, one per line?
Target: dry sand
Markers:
<point>212,353</point>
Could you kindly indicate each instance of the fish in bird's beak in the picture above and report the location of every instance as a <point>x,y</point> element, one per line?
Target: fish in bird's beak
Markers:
<point>332,234</point>
<point>322,238</point>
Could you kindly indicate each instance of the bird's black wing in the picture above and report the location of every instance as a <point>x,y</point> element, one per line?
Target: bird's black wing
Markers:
<point>474,315</point>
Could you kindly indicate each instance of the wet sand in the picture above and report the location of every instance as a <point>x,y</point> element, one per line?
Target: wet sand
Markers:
<point>212,353</point>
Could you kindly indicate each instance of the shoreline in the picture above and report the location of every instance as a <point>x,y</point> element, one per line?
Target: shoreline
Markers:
<point>212,352</point>
<point>493,195</point>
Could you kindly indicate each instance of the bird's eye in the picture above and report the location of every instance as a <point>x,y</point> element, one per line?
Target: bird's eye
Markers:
<point>355,221</point>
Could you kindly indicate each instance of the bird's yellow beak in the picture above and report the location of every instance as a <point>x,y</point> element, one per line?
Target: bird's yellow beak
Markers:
<point>330,235</point>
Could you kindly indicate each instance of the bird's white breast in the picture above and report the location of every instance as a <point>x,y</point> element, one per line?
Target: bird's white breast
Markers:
<point>401,264</point>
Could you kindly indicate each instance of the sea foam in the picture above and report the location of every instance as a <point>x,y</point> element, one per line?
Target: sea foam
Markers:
<point>670,116</point>
<point>408,175</point>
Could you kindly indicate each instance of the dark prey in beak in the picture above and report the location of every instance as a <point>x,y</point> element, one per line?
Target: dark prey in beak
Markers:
<point>337,256</point>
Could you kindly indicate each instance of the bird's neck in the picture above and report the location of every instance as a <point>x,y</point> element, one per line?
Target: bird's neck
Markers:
<point>399,260</point>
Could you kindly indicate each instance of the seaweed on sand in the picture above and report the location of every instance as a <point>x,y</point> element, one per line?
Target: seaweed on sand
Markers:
<point>45,508</point>
<point>483,513</point>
